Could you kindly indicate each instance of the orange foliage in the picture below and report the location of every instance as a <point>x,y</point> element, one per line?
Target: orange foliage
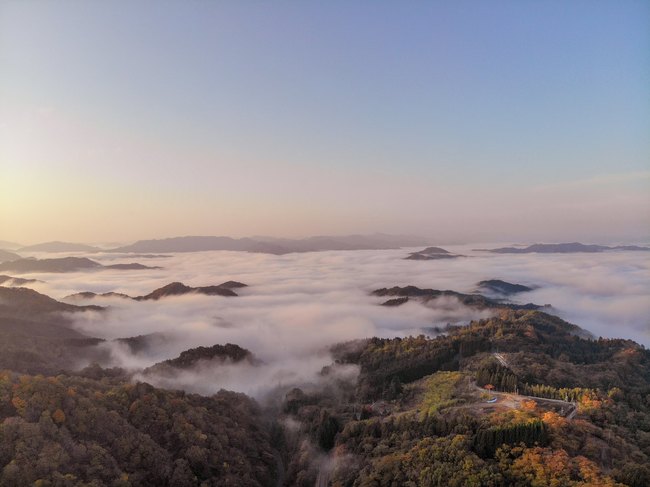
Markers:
<point>20,404</point>
<point>543,466</point>
<point>553,419</point>
<point>589,403</point>
<point>58,416</point>
<point>528,406</point>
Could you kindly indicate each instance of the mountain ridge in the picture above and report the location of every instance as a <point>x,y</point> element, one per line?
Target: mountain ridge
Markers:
<point>171,289</point>
<point>564,248</point>
<point>270,245</point>
<point>401,295</point>
<point>64,264</point>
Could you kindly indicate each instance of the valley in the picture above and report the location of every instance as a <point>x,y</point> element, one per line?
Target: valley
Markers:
<point>458,385</point>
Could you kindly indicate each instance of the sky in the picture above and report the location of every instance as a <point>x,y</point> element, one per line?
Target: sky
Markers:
<point>462,120</point>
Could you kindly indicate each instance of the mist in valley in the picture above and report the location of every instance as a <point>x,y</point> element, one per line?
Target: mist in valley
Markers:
<point>297,305</point>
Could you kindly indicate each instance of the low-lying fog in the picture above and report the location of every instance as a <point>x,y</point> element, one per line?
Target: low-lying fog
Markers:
<point>298,304</point>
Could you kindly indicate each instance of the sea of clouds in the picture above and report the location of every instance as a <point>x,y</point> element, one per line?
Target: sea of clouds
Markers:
<point>297,305</point>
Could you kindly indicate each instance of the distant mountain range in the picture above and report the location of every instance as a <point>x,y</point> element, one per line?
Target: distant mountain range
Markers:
<point>562,248</point>
<point>279,246</point>
<point>64,264</point>
<point>276,246</point>
<point>57,246</point>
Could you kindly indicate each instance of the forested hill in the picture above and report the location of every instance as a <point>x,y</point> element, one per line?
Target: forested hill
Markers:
<point>71,431</point>
<point>401,295</point>
<point>542,349</point>
<point>35,333</point>
<point>566,410</point>
<point>522,399</point>
<point>195,357</point>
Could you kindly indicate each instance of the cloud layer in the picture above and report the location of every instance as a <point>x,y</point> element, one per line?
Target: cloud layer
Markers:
<point>297,305</point>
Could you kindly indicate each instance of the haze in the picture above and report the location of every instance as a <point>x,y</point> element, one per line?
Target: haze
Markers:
<point>466,121</point>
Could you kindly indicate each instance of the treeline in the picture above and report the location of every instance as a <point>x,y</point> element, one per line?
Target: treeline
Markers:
<point>563,394</point>
<point>387,364</point>
<point>538,332</point>
<point>541,341</point>
<point>502,378</point>
<point>444,461</point>
<point>487,441</point>
<point>399,431</point>
<point>72,431</point>
<point>552,360</point>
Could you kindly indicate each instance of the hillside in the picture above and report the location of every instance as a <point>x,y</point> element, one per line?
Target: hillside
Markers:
<point>171,289</point>
<point>35,333</point>
<point>401,295</point>
<point>179,289</point>
<point>504,288</point>
<point>64,264</point>
<point>196,357</point>
<point>20,301</point>
<point>523,398</point>
<point>419,416</point>
<point>15,281</point>
<point>431,253</point>
<point>74,431</point>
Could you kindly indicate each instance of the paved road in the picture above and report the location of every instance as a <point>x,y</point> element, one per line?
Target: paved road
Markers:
<point>501,359</point>
<point>572,413</point>
<point>569,405</point>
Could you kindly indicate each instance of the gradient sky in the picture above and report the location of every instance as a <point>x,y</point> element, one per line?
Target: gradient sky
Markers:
<point>464,120</point>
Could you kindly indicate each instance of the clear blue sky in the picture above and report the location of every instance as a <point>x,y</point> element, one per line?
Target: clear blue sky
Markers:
<point>295,118</point>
